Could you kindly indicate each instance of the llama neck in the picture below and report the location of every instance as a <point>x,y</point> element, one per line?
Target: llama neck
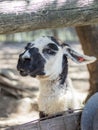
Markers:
<point>48,87</point>
<point>52,96</point>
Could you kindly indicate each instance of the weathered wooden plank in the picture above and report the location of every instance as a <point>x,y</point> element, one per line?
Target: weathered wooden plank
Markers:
<point>27,15</point>
<point>65,122</point>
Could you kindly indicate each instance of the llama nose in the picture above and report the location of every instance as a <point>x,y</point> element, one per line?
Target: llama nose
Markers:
<point>25,56</point>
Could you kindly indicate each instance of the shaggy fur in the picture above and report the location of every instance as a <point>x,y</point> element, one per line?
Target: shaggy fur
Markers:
<point>47,60</point>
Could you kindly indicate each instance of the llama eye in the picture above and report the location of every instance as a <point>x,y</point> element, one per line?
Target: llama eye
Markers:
<point>49,51</point>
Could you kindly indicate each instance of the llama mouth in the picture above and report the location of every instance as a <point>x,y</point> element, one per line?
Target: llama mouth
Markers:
<point>33,73</point>
<point>23,73</point>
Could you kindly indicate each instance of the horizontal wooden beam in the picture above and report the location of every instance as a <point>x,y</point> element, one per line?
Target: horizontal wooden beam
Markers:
<point>28,15</point>
<point>65,122</point>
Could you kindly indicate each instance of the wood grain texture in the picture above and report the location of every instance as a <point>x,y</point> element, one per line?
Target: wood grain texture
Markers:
<point>88,36</point>
<point>65,122</point>
<point>28,15</point>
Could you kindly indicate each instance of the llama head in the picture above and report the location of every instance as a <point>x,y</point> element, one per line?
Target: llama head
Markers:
<point>46,58</point>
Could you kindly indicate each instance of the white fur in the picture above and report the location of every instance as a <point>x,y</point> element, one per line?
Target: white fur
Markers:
<point>53,67</point>
<point>54,98</point>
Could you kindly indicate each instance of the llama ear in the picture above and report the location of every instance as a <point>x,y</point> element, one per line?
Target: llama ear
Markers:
<point>77,57</point>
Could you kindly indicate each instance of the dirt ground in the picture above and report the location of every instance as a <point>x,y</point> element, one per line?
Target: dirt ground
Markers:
<point>20,106</point>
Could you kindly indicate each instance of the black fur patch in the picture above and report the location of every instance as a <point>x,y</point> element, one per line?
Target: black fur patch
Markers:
<point>33,66</point>
<point>42,114</point>
<point>53,46</point>
<point>64,73</point>
<point>48,51</point>
<point>38,62</point>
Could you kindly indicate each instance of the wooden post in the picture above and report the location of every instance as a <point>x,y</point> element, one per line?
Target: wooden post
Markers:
<point>88,36</point>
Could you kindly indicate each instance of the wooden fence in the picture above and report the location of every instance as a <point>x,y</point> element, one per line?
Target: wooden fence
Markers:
<point>65,122</point>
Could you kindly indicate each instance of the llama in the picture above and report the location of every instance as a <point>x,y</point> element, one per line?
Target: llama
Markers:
<point>47,60</point>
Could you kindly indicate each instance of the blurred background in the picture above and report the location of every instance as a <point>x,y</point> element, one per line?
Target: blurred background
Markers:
<point>18,95</point>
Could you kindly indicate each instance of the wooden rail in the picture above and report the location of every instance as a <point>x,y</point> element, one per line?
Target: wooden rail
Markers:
<point>65,122</point>
<point>28,15</point>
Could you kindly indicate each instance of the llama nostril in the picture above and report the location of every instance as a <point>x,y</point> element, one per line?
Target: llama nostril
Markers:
<point>27,59</point>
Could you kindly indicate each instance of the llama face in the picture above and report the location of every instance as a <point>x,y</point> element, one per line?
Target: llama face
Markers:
<point>46,58</point>
<point>41,58</point>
